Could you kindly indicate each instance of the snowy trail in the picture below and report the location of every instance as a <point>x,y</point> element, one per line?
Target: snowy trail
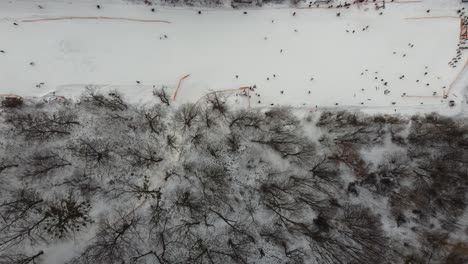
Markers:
<point>310,59</point>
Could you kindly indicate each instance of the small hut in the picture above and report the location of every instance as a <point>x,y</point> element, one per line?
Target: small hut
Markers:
<point>11,100</point>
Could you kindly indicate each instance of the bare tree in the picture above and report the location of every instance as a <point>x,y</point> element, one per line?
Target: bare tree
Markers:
<point>67,215</point>
<point>349,155</point>
<point>282,133</point>
<point>233,141</point>
<point>82,182</point>
<point>187,115</point>
<point>21,258</point>
<point>162,95</point>
<point>21,218</point>
<point>216,103</point>
<point>95,152</point>
<point>246,119</point>
<point>7,163</point>
<point>389,174</point>
<point>435,130</point>
<point>356,238</point>
<point>116,241</point>
<point>171,142</point>
<point>142,154</point>
<point>133,187</point>
<point>43,163</point>
<point>43,126</point>
<point>358,129</point>
<point>153,118</point>
<point>28,217</point>
<point>112,101</point>
<point>209,118</point>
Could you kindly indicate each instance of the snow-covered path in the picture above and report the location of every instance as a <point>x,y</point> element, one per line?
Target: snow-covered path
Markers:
<point>311,58</point>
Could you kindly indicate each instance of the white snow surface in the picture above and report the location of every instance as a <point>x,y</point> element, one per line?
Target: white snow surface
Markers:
<point>269,48</point>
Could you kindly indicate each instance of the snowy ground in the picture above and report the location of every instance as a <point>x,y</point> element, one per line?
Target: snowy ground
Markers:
<point>310,59</point>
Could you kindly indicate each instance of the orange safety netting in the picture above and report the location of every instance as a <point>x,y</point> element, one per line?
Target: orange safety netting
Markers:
<point>96,18</point>
<point>178,86</point>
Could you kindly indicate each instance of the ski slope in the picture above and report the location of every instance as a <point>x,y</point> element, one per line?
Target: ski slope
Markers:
<point>394,62</point>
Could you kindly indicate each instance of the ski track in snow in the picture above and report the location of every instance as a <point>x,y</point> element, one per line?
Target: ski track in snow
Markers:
<point>310,59</point>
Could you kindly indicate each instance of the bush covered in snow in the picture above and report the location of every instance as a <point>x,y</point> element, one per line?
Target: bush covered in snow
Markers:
<point>203,183</point>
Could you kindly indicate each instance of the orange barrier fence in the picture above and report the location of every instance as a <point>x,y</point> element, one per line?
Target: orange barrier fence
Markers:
<point>456,78</point>
<point>97,18</point>
<point>178,86</point>
<point>433,17</point>
<point>463,28</point>
<point>9,95</point>
<point>231,90</point>
<point>242,88</point>
<point>463,35</point>
<point>463,31</point>
<point>423,96</point>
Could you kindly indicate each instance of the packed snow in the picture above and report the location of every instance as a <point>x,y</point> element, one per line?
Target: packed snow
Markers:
<point>387,60</point>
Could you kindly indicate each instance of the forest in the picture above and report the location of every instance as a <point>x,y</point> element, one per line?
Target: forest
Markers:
<point>211,183</point>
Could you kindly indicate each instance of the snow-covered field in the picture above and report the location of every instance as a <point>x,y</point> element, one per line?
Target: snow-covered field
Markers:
<point>105,181</point>
<point>310,59</point>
